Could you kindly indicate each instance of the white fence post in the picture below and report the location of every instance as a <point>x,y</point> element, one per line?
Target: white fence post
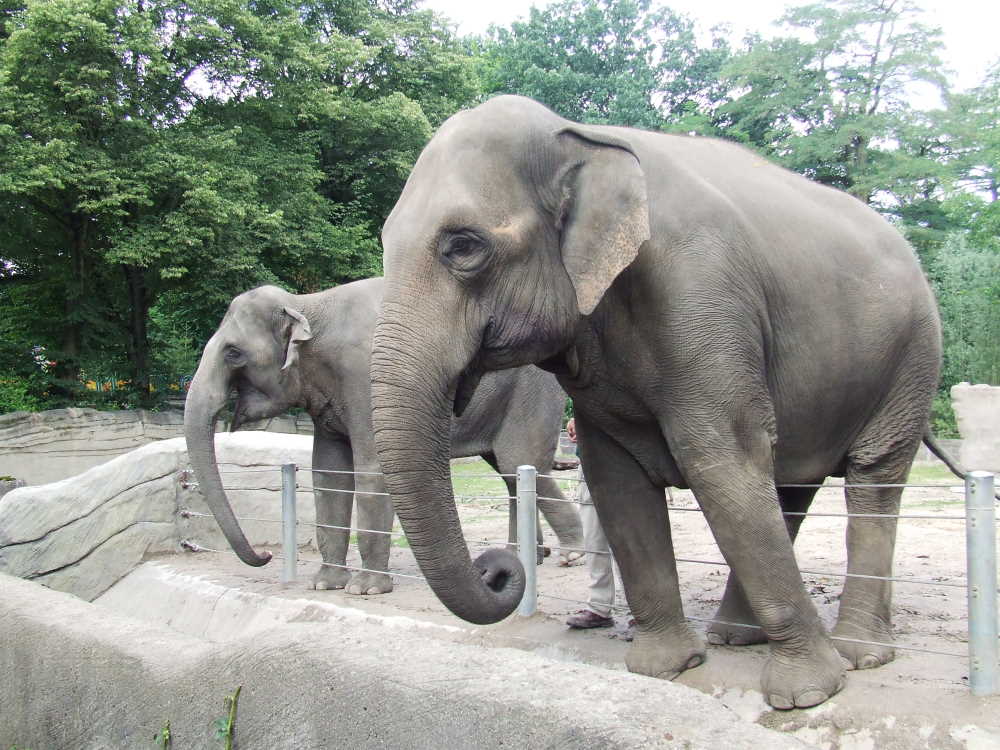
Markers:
<point>981,555</point>
<point>289,543</point>
<point>527,537</point>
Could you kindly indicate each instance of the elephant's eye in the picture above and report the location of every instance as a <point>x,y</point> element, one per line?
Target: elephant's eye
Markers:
<point>234,357</point>
<point>463,251</point>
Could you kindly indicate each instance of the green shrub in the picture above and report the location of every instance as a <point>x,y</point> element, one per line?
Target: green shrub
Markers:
<point>15,394</point>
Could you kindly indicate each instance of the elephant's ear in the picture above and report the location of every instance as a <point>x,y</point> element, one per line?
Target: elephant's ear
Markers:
<point>299,331</point>
<point>604,216</point>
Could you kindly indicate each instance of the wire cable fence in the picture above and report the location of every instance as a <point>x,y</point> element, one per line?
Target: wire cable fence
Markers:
<point>980,523</point>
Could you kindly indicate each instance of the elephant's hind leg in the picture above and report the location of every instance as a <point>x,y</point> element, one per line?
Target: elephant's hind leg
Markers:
<point>334,499</point>
<point>375,516</point>
<point>736,624</point>
<point>865,612</point>
<point>881,455</point>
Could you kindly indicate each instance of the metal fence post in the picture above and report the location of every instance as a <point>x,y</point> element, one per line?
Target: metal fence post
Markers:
<point>289,543</point>
<point>527,537</point>
<point>981,554</point>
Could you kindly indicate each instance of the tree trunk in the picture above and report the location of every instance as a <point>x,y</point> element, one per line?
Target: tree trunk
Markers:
<point>138,313</point>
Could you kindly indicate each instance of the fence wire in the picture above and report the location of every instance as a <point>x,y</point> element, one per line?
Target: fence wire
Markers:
<point>495,499</point>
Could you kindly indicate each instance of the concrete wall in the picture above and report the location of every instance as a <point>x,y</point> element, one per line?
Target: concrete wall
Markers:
<point>78,676</point>
<point>51,445</point>
<point>84,533</point>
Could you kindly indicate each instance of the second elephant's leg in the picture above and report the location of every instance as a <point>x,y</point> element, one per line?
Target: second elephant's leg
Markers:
<point>334,498</point>
<point>374,524</point>
<point>735,610</point>
<point>562,516</point>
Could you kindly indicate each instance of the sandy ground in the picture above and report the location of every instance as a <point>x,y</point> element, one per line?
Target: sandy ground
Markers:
<point>921,700</point>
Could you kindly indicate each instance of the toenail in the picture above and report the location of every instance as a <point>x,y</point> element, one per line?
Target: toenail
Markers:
<point>811,698</point>
<point>695,661</point>
<point>715,639</point>
<point>320,586</point>
<point>779,702</point>
<point>868,661</point>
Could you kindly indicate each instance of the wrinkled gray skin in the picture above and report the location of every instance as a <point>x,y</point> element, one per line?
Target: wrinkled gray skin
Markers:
<point>721,324</point>
<point>279,350</point>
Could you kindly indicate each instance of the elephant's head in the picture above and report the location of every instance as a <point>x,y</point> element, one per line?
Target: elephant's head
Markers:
<point>512,225</point>
<point>255,352</point>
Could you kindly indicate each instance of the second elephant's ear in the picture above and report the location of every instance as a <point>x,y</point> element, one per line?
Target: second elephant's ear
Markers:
<point>298,332</point>
<point>604,216</point>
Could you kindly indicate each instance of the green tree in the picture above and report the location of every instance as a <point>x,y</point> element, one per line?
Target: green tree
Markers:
<point>165,156</point>
<point>831,100</point>
<point>973,124</point>
<point>619,62</point>
<point>966,279</point>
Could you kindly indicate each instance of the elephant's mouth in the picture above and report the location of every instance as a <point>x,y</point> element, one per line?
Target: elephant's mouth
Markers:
<point>239,415</point>
<point>244,408</point>
<point>466,387</point>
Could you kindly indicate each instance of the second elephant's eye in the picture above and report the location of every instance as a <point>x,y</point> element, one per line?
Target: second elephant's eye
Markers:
<point>234,357</point>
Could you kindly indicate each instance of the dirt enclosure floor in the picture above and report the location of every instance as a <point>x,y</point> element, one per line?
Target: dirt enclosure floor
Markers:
<point>921,700</point>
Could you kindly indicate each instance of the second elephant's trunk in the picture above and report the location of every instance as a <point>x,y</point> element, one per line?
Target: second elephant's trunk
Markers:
<point>205,399</point>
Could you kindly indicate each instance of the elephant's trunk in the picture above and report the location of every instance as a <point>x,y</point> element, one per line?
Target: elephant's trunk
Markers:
<point>413,388</point>
<point>205,399</point>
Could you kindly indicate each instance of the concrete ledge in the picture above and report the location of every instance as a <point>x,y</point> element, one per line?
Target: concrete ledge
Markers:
<point>77,675</point>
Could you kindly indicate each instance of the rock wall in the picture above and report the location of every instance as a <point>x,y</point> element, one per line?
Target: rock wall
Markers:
<point>51,445</point>
<point>977,409</point>
<point>82,534</point>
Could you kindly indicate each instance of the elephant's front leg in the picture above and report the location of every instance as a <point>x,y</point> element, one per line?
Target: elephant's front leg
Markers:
<point>741,507</point>
<point>374,524</point>
<point>633,512</point>
<point>334,499</point>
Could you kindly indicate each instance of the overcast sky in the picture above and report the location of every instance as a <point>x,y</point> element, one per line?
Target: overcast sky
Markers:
<point>970,26</point>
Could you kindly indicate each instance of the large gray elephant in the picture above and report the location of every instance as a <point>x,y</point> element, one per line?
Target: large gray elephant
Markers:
<point>721,324</point>
<point>279,350</point>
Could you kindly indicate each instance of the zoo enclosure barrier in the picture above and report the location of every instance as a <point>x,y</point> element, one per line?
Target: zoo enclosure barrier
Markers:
<point>981,565</point>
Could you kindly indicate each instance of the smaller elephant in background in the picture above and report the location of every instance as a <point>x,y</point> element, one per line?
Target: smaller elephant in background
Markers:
<point>279,350</point>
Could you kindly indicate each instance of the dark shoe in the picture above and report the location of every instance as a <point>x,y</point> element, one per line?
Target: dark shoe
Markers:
<point>587,619</point>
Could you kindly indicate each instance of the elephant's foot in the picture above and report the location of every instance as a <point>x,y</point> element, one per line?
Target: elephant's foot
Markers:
<point>570,553</point>
<point>328,578</point>
<point>800,675</point>
<point>664,654</point>
<point>863,655</point>
<point>735,633</point>
<point>566,559</point>
<point>369,583</point>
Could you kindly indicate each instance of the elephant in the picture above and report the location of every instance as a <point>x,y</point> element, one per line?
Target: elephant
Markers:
<point>279,350</point>
<point>721,324</point>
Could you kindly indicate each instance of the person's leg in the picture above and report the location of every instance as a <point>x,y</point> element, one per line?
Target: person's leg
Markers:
<point>600,567</point>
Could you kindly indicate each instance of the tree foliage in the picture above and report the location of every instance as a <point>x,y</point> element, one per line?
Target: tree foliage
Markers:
<point>830,99</point>
<point>166,153</point>
<point>161,157</point>
<point>619,62</point>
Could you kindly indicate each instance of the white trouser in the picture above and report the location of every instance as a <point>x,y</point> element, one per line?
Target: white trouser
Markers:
<point>600,566</point>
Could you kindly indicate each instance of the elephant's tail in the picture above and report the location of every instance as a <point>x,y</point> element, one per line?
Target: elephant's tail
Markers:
<point>938,450</point>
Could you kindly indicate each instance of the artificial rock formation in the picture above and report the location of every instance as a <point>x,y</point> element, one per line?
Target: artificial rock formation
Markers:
<point>977,410</point>
<point>42,447</point>
<point>83,534</point>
